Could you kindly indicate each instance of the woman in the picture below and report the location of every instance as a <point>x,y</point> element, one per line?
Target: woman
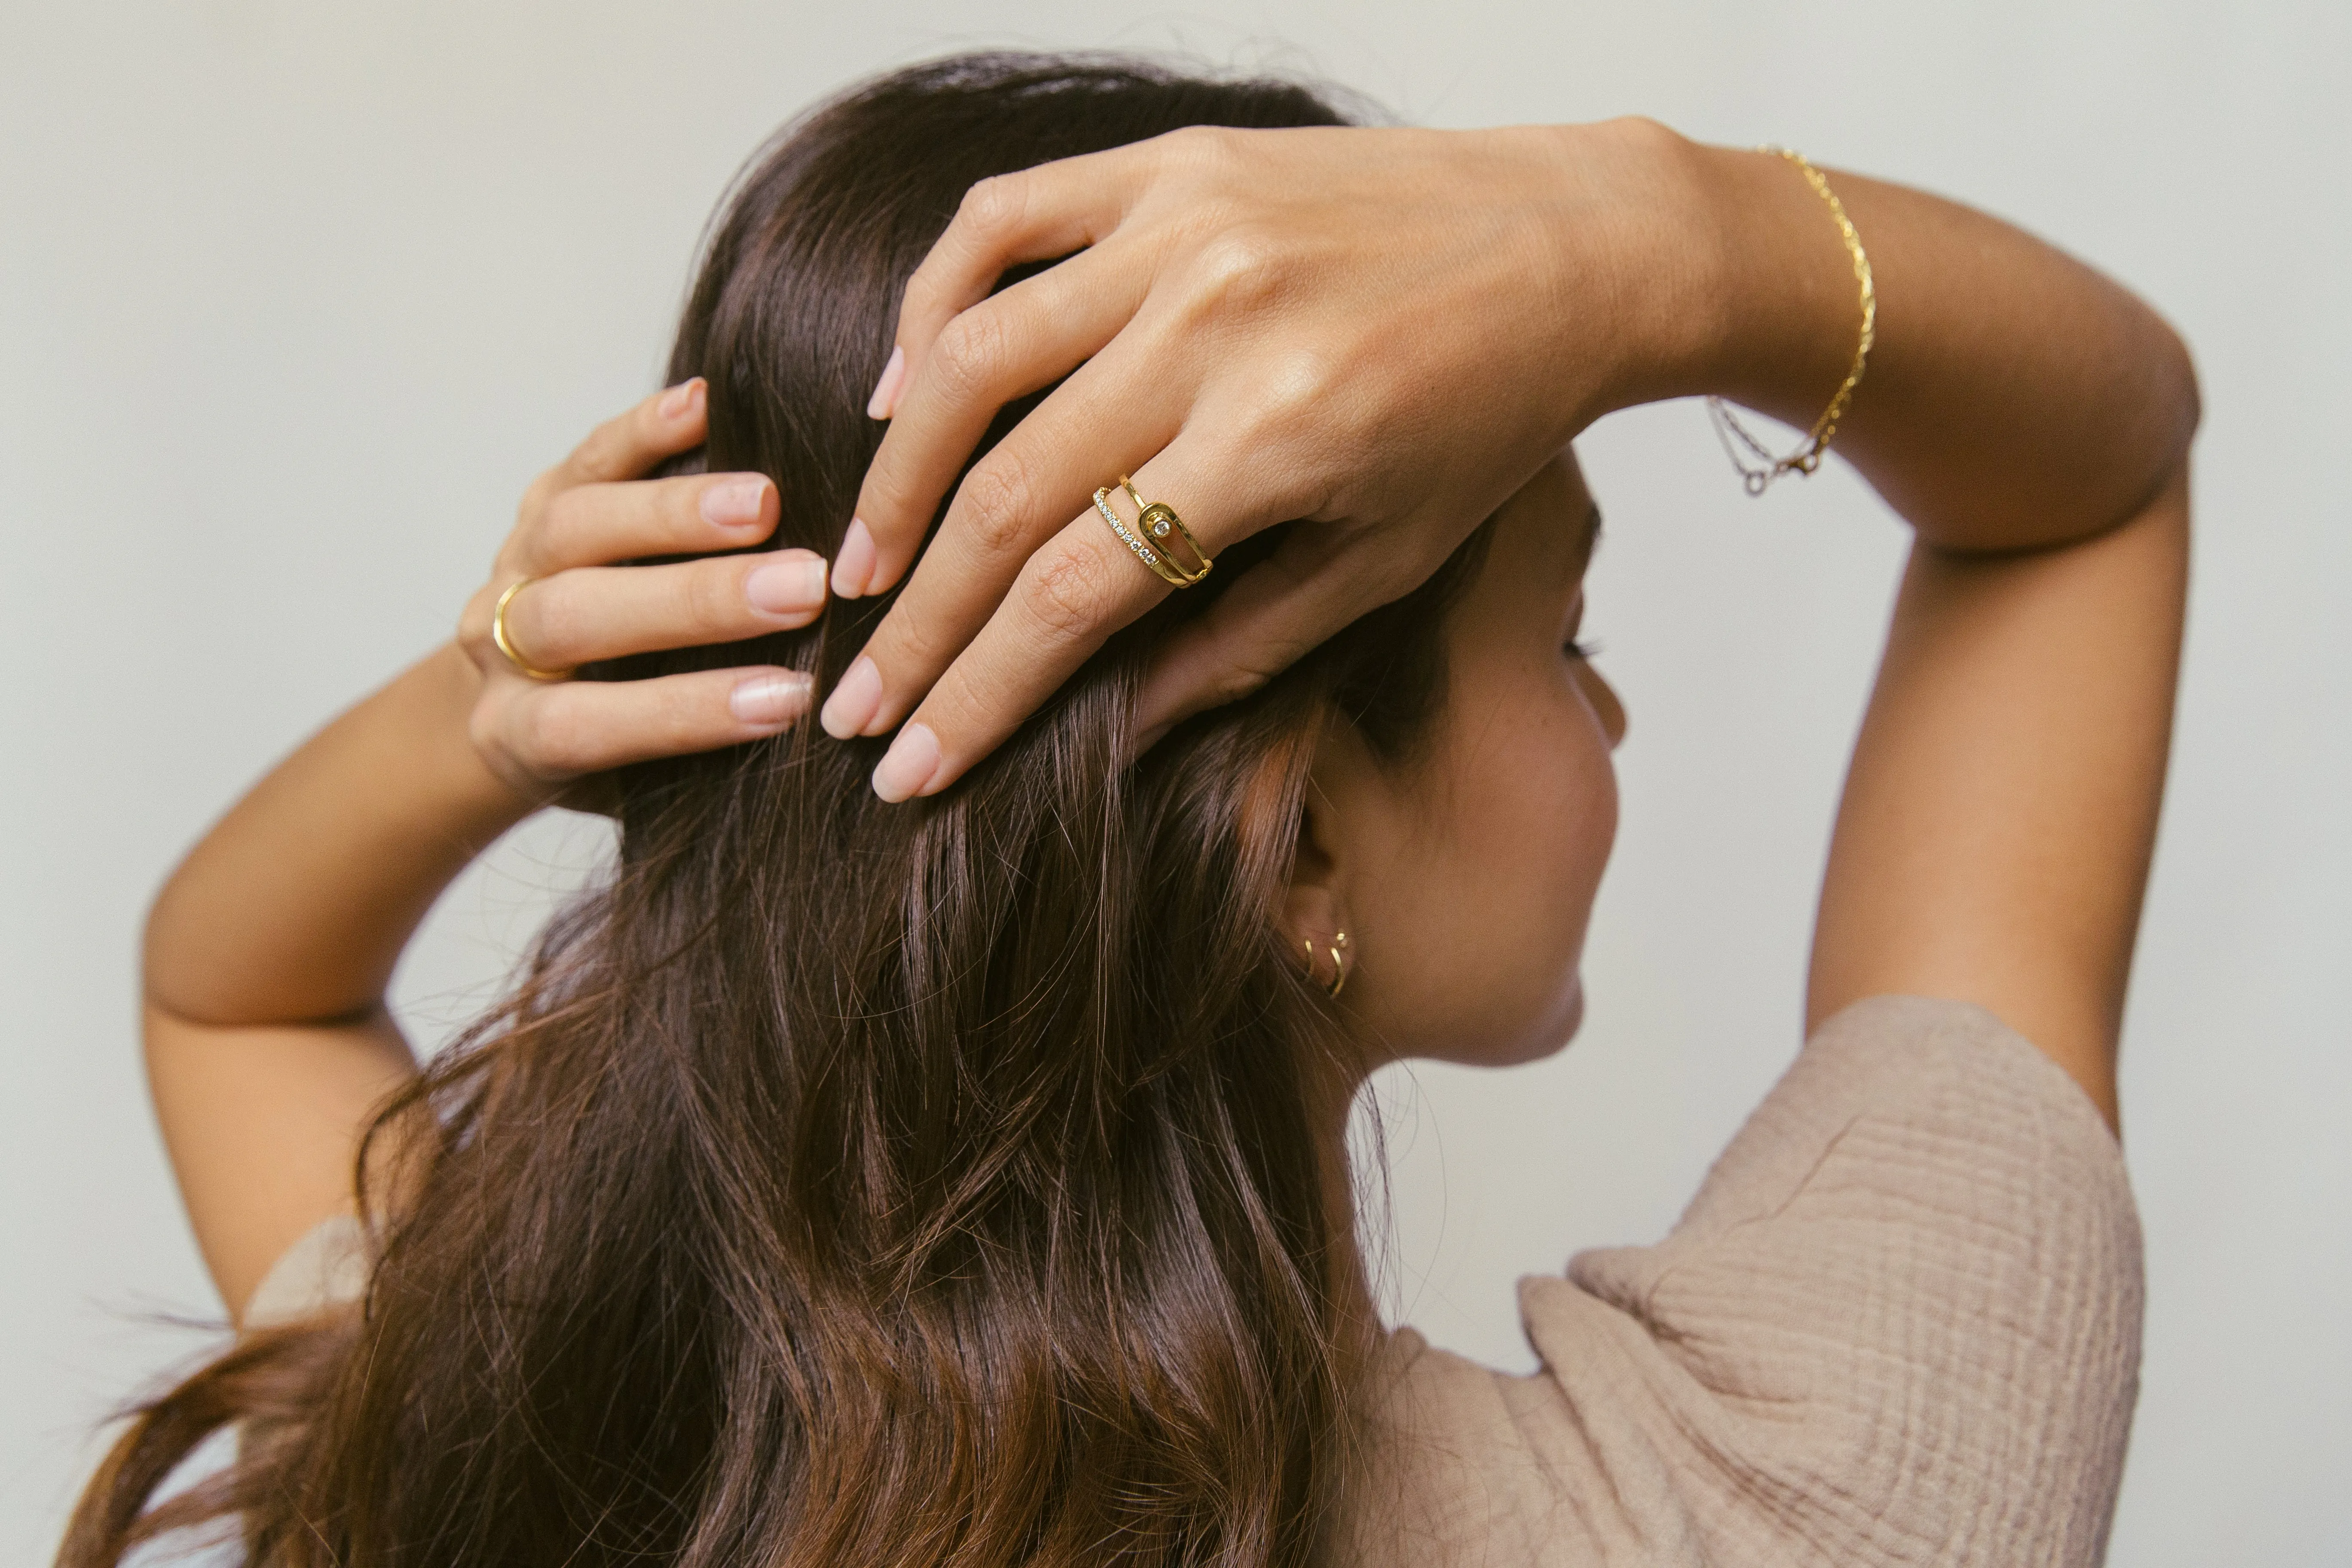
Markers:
<point>857,1181</point>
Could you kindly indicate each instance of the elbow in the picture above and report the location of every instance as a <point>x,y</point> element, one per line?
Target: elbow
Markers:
<point>165,969</point>
<point>2187,398</point>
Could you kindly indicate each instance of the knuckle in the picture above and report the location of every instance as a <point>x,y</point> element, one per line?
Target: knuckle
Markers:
<point>1239,270</point>
<point>1069,597</point>
<point>1241,677</point>
<point>969,353</point>
<point>992,207</point>
<point>596,453</point>
<point>562,516</point>
<point>537,494</point>
<point>1293,391</point>
<point>540,623</point>
<point>552,736</point>
<point>1235,681</point>
<point>906,646</point>
<point>886,500</point>
<point>996,502</point>
<point>1199,149</point>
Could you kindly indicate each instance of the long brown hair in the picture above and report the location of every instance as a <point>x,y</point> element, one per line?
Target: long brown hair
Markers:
<point>843,1183</point>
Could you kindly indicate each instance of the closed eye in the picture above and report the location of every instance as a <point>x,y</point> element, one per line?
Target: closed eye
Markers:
<point>1579,649</point>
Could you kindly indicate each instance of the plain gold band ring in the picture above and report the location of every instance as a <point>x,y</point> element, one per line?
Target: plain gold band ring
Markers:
<point>506,643</point>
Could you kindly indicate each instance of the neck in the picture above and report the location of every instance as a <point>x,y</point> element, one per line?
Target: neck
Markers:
<point>1356,1316</point>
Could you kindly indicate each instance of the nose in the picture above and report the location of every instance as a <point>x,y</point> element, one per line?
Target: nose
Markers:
<point>1607,706</point>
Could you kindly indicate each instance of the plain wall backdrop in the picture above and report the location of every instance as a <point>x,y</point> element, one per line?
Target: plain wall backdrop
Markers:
<point>294,300</point>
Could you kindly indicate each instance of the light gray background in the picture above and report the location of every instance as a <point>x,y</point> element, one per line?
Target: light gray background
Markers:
<point>294,299</point>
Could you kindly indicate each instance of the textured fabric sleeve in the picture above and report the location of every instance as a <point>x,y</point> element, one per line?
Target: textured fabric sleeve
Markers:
<point>1899,1324</point>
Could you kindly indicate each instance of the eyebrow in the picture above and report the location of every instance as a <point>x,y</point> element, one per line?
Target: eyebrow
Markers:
<point>1591,531</point>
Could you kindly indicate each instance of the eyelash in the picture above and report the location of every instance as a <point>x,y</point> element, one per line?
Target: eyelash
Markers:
<point>1577,649</point>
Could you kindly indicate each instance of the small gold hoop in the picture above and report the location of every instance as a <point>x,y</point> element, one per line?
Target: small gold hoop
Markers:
<point>1338,950</point>
<point>506,643</point>
<point>1156,532</point>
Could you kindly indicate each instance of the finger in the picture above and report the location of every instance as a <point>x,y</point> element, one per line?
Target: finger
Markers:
<point>1015,500</point>
<point>1003,347</point>
<point>597,524</point>
<point>1312,586</point>
<point>662,426</point>
<point>560,732</point>
<point>1029,215</point>
<point>593,613</point>
<point>1085,584</point>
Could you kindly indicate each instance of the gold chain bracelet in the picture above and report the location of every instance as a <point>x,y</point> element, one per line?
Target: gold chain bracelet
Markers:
<point>1808,458</point>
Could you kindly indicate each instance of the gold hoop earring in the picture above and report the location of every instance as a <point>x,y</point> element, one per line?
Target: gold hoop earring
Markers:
<point>1338,950</point>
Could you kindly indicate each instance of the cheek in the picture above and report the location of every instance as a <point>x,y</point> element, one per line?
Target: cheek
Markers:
<point>1526,833</point>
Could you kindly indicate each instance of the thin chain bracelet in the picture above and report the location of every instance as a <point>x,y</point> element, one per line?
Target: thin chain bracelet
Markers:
<point>1808,458</point>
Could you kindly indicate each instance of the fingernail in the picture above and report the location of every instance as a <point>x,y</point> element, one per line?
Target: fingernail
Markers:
<point>678,401</point>
<point>770,698</point>
<point>909,765</point>
<point>852,564</point>
<point>735,504</point>
<point>791,587</point>
<point>885,391</point>
<point>855,698</point>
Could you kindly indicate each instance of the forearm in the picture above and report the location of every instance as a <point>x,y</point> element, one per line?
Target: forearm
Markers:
<point>2014,398</point>
<point>296,906</point>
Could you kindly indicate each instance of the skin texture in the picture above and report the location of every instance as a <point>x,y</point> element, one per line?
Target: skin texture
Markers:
<point>2029,419</point>
<point>1465,879</point>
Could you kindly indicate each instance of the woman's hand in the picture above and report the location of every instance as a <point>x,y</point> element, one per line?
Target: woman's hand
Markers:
<point>1382,333</point>
<point>579,521</point>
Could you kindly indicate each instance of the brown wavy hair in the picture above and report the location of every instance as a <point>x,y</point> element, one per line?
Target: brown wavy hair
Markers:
<point>844,1183</point>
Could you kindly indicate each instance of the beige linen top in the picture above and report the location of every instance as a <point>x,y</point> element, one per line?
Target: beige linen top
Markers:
<point>1899,1324</point>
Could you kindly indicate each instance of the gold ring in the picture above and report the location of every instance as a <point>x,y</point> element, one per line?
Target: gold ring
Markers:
<point>1157,531</point>
<point>506,644</point>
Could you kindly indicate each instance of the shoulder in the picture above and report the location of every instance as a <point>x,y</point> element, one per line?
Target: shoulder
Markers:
<point>1899,1322</point>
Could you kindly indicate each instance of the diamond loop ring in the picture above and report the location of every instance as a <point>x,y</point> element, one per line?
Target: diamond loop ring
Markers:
<point>499,635</point>
<point>1158,536</point>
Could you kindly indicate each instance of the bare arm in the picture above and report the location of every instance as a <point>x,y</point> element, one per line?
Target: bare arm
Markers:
<point>267,1042</point>
<point>2031,420</point>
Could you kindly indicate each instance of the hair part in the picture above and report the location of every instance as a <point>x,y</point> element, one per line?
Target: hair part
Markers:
<point>938,1184</point>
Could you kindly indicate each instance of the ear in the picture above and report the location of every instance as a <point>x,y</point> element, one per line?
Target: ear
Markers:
<point>1314,907</point>
<point>1343,793</point>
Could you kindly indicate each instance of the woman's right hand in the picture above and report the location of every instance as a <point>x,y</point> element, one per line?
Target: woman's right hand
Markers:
<point>1378,333</point>
<point>578,523</point>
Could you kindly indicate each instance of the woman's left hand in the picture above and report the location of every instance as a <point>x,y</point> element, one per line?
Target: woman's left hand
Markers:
<point>578,523</point>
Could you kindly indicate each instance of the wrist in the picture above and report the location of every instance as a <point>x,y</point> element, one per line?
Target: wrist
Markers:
<point>1782,308</point>
<point>1642,291</point>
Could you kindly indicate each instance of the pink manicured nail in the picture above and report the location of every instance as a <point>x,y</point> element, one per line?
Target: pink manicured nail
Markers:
<point>770,698</point>
<point>909,765</point>
<point>735,504</point>
<point>884,401</point>
<point>678,401</point>
<point>791,587</point>
<point>853,566</point>
<point>855,698</point>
